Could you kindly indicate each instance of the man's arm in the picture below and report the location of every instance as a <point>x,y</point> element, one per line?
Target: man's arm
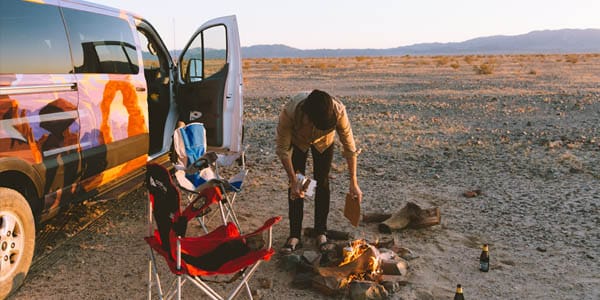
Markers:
<point>283,142</point>
<point>354,188</point>
<point>350,152</point>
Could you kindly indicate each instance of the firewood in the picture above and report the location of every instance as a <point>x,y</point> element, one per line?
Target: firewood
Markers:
<point>375,217</point>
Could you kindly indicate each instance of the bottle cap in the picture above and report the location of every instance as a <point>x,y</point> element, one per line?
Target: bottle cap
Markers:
<point>485,247</point>
<point>459,289</point>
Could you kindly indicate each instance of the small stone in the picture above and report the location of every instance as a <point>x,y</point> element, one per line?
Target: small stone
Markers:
<point>471,194</point>
<point>363,289</point>
<point>290,262</point>
<point>405,253</point>
<point>541,249</point>
<point>310,256</point>
<point>575,170</point>
<point>394,267</point>
<point>589,256</point>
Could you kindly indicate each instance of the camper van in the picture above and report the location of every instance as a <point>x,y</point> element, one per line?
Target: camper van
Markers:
<point>88,95</point>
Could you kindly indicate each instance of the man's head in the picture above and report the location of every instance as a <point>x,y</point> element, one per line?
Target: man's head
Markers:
<point>318,106</point>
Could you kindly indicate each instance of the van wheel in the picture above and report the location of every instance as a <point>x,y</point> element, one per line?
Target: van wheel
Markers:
<point>17,240</point>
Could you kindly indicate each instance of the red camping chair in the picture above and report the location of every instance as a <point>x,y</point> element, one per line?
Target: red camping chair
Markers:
<point>221,251</point>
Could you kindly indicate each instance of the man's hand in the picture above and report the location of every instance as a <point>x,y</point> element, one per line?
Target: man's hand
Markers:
<point>295,188</point>
<point>356,192</point>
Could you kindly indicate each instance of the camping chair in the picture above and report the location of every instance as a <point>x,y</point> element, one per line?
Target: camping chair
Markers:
<point>196,169</point>
<point>222,251</point>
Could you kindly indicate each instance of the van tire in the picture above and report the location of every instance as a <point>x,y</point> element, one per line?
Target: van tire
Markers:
<point>17,240</point>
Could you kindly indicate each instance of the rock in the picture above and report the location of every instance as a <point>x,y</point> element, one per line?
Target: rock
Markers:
<point>362,290</point>
<point>310,256</point>
<point>541,249</point>
<point>405,253</point>
<point>394,267</point>
<point>290,262</point>
<point>472,194</point>
<point>328,285</point>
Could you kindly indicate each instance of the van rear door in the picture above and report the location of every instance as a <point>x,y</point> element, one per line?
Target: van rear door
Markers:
<point>209,83</point>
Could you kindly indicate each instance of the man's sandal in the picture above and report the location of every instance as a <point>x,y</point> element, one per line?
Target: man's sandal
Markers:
<point>291,244</point>
<point>324,244</point>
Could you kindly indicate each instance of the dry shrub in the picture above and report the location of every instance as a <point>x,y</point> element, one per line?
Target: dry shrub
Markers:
<point>322,66</point>
<point>275,67</point>
<point>469,59</point>
<point>246,64</point>
<point>572,58</point>
<point>485,68</point>
<point>286,61</point>
<point>455,65</point>
<point>360,58</point>
<point>532,72</point>
<point>442,60</point>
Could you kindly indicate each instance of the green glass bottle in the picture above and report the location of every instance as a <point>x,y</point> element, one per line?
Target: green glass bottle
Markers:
<point>484,259</point>
<point>459,293</point>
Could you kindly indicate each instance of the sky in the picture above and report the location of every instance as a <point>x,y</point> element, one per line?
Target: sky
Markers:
<point>379,24</point>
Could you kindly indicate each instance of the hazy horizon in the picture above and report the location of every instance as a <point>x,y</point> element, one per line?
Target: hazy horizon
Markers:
<point>351,24</point>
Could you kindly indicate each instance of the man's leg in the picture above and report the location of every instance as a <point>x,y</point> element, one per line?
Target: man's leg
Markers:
<point>296,206</point>
<point>321,168</point>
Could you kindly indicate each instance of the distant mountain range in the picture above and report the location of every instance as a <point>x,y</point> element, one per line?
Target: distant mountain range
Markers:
<point>545,41</point>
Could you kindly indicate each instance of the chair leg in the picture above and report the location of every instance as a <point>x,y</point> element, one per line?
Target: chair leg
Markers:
<point>150,279</point>
<point>248,290</point>
<point>245,278</point>
<point>231,212</point>
<point>156,277</point>
<point>178,287</point>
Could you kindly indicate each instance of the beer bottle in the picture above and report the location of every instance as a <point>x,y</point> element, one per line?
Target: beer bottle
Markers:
<point>459,295</point>
<point>484,259</point>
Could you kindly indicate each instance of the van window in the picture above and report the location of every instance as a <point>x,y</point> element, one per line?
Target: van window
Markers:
<point>206,55</point>
<point>33,39</point>
<point>101,43</point>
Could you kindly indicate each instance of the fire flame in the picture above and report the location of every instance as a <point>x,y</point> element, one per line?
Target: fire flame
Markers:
<point>351,253</point>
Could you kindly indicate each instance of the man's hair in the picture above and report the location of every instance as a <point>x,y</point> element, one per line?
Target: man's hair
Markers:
<point>318,106</point>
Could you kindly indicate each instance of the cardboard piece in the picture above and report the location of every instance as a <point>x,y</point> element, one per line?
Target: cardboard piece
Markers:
<point>352,209</point>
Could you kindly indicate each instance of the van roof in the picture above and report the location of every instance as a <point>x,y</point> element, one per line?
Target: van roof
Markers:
<point>96,6</point>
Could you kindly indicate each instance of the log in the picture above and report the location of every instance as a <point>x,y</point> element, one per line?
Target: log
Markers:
<point>375,217</point>
<point>360,265</point>
<point>411,216</point>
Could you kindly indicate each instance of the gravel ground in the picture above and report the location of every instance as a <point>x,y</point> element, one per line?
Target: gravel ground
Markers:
<point>430,128</point>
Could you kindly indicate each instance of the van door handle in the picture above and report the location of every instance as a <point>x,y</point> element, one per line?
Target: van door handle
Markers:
<point>140,89</point>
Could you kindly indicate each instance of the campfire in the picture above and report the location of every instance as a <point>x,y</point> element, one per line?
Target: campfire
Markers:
<point>359,269</point>
<point>360,262</point>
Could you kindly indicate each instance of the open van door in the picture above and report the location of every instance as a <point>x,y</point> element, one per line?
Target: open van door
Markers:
<point>209,83</point>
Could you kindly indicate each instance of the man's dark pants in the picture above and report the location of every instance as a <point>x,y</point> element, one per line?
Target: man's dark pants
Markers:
<point>321,168</point>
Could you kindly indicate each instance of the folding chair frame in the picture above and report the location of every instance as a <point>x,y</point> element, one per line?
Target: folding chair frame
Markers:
<point>228,190</point>
<point>181,277</point>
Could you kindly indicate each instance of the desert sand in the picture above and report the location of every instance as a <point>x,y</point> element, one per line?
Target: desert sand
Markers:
<point>430,128</point>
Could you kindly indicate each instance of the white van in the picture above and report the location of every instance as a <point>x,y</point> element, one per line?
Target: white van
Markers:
<point>88,95</point>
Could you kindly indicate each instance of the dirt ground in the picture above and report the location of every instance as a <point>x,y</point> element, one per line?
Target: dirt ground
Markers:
<point>430,128</point>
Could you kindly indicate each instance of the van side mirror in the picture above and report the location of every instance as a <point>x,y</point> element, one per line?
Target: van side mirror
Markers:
<point>194,70</point>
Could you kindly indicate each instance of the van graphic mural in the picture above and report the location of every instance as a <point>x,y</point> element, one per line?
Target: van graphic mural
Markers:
<point>84,96</point>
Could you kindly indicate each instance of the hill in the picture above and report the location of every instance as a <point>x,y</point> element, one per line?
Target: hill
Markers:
<point>544,41</point>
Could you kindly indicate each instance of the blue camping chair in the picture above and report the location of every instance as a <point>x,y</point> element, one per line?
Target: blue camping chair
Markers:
<point>197,169</point>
